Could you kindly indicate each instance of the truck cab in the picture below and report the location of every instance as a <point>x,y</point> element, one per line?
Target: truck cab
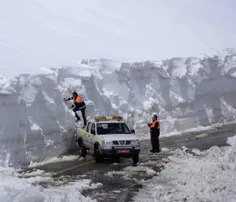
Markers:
<point>108,136</point>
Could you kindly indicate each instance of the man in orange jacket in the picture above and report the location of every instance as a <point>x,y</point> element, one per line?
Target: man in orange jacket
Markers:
<point>79,105</point>
<point>155,133</point>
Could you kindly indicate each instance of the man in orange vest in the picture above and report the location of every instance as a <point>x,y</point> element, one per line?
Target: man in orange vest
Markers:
<point>155,133</point>
<point>79,105</point>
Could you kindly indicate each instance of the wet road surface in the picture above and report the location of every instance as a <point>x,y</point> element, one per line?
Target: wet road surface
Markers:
<point>121,180</point>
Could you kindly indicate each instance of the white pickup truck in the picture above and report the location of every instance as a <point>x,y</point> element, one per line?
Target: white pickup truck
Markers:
<point>108,136</point>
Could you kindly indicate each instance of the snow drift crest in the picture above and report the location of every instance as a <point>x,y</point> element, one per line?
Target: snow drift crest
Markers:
<point>185,92</point>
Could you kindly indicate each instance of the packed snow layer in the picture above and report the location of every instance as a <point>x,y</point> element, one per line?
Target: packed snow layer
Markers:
<point>201,176</point>
<point>35,123</point>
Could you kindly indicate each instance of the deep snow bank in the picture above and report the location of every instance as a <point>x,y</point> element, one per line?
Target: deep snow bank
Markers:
<point>185,92</point>
<point>201,176</point>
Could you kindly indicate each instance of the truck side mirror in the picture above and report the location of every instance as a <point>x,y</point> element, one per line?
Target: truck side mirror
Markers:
<point>132,131</point>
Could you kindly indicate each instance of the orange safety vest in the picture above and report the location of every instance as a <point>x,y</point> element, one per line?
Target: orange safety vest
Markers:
<point>153,124</point>
<point>78,99</point>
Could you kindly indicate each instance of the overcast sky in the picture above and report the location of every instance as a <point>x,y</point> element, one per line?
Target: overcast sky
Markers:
<point>58,32</point>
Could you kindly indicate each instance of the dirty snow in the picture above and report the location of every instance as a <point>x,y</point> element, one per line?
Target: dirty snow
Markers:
<point>197,176</point>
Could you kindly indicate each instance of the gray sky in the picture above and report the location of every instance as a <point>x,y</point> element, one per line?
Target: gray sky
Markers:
<point>57,32</point>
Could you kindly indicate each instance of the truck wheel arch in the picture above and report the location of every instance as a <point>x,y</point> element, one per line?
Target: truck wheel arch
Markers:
<point>96,144</point>
<point>80,141</point>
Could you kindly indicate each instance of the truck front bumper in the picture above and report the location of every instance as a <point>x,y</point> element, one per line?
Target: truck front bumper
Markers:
<point>122,152</point>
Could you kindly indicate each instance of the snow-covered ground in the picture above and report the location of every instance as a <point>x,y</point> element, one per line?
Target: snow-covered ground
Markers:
<point>198,176</point>
<point>27,188</point>
<point>23,189</point>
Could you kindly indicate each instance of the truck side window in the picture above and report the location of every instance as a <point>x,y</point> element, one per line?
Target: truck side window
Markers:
<point>87,129</point>
<point>93,129</point>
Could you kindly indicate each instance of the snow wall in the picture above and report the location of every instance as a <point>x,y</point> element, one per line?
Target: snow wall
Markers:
<point>35,123</point>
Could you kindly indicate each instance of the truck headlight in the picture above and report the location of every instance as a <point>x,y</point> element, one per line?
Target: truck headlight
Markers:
<point>135,142</point>
<point>107,143</point>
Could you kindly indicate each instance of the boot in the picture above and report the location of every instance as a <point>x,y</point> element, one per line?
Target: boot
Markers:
<point>152,150</point>
<point>157,150</point>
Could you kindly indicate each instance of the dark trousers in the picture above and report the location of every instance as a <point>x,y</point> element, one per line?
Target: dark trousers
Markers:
<point>155,141</point>
<point>82,112</point>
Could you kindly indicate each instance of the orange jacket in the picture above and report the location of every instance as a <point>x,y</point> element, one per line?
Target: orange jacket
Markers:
<point>154,126</point>
<point>154,123</point>
<point>78,99</point>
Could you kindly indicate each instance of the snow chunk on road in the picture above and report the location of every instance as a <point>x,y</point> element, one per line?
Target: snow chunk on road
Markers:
<point>54,160</point>
<point>187,177</point>
<point>128,172</point>
<point>147,170</point>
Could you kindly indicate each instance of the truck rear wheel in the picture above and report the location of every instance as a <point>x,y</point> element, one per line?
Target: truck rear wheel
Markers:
<point>82,149</point>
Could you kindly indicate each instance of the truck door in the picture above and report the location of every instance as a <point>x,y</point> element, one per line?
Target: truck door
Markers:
<point>92,134</point>
<point>86,138</point>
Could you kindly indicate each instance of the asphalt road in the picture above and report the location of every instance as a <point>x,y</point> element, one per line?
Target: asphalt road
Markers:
<point>122,186</point>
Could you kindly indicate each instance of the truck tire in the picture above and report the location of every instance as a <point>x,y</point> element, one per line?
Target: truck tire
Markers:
<point>135,159</point>
<point>116,159</point>
<point>82,149</point>
<point>97,155</point>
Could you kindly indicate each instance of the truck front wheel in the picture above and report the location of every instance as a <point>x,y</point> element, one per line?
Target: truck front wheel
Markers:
<point>97,155</point>
<point>135,159</point>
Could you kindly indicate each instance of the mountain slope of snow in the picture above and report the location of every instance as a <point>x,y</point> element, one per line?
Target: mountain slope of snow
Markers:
<point>184,92</point>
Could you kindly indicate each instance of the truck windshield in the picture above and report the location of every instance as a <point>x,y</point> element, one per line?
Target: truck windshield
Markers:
<point>112,128</point>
